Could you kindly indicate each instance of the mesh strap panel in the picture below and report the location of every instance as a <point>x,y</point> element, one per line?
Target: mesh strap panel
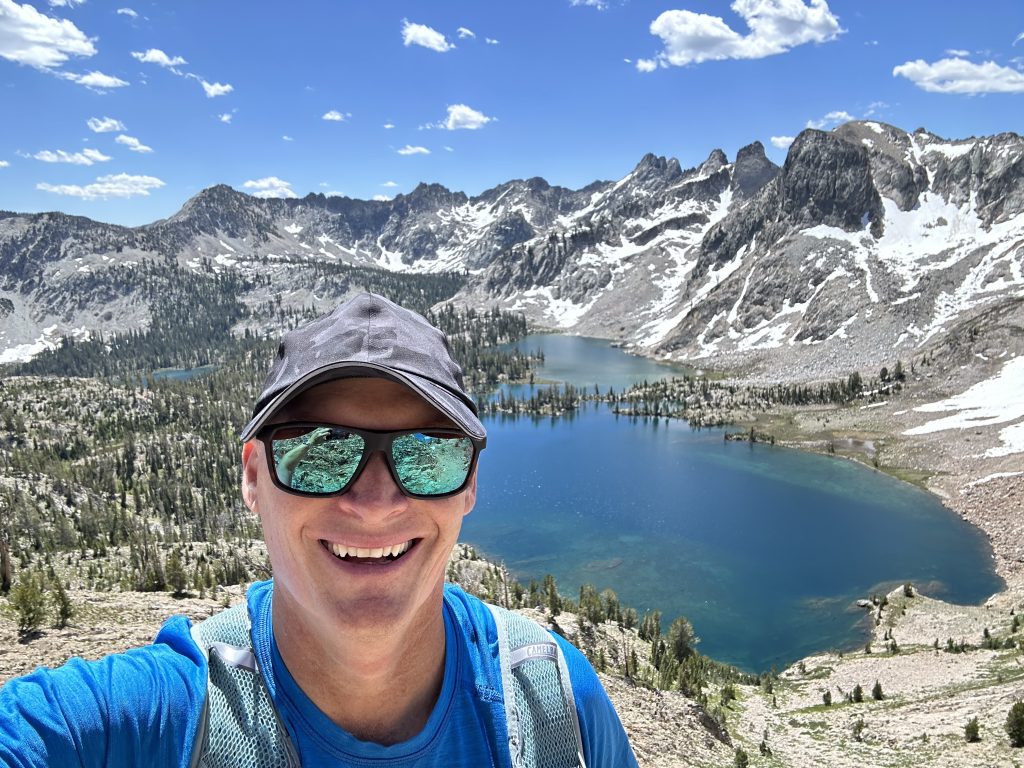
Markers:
<point>539,706</point>
<point>240,727</point>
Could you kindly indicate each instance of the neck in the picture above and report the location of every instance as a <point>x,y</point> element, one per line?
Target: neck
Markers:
<point>398,672</point>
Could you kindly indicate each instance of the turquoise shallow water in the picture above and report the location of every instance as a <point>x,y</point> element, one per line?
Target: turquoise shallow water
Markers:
<point>764,549</point>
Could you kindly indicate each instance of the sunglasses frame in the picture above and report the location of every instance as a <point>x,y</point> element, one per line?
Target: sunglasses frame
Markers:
<point>374,441</point>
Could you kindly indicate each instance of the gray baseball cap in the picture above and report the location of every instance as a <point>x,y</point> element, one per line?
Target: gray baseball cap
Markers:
<point>372,337</point>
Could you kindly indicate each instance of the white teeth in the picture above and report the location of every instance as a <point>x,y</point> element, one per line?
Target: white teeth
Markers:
<point>340,550</point>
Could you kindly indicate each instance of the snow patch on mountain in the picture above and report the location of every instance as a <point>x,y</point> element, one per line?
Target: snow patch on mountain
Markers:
<point>996,400</point>
<point>561,313</point>
<point>951,151</point>
<point>49,339</point>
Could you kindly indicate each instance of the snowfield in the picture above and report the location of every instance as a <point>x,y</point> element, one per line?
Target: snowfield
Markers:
<point>997,400</point>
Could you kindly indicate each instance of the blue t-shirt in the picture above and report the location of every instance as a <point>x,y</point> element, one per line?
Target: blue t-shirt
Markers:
<point>142,707</point>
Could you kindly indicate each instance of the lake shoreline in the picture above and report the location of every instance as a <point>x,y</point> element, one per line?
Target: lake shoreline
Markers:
<point>966,483</point>
<point>985,491</point>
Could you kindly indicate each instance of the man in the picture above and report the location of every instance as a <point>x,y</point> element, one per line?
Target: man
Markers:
<point>360,461</point>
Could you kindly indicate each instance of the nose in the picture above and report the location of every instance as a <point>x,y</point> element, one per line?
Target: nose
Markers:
<point>374,494</point>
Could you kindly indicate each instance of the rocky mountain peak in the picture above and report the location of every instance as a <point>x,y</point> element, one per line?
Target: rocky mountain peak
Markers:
<point>752,170</point>
<point>896,172</point>
<point>827,180</point>
<point>221,208</point>
<point>218,196</point>
<point>655,168</point>
<point>430,197</point>
<point>537,184</point>
<point>715,162</point>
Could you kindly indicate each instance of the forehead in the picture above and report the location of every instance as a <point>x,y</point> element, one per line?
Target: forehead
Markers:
<point>369,403</point>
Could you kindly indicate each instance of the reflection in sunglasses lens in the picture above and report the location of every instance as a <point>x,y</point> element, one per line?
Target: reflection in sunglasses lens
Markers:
<point>324,460</point>
<point>432,465</point>
<point>318,460</point>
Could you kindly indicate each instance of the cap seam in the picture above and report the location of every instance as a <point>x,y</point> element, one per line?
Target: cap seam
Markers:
<point>366,334</point>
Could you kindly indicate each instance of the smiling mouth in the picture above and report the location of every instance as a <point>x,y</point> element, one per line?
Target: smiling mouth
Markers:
<point>371,555</point>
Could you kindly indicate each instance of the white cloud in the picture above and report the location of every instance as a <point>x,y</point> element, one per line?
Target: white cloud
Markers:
<point>464,33</point>
<point>336,116</point>
<point>104,124</point>
<point>4,163</point>
<point>270,186</point>
<point>286,137</point>
<point>875,107</point>
<point>226,117</point>
<point>171,63</point>
<point>133,144</point>
<point>961,76</point>
<point>408,149</point>
<point>119,185</point>
<point>1018,38</point>
<point>462,117</point>
<point>782,142</point>
<point>776,26</point>
<point>85,157</point>
<point>601,5</point>
<point>127,12</point>
<point>491,41</point>
<point>832,118</point>
<point>957,52</point>
<point>96,80</point>
<point>64,3</point>
<point>30,37</point>
<point>420,34</point>
<point>216,89</point>
<point>389,126</point>
<point>158,57</point>
<point>646,65</point>
<point>381,198</point>
<point>389,184</point>
<point>449,149</point>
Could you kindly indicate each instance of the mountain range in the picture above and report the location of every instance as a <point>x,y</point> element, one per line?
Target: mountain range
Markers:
<point>866,245</point>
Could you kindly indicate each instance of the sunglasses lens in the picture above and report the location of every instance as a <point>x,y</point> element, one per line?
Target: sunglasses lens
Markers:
<point>316,459</point>
<point>431,465</point>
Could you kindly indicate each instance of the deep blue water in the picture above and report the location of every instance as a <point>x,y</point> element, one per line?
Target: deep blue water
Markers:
<point>183,374</point>
<point>764,549</point>
<point>584,362</point>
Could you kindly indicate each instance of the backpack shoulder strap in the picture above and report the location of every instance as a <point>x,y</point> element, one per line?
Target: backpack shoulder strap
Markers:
<point>543,728</point>
<point>239,726</point>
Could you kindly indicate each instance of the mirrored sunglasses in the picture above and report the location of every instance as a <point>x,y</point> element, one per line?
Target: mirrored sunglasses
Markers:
<point>316,459</point>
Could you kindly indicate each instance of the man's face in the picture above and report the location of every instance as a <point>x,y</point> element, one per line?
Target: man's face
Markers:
<point>312,585</point>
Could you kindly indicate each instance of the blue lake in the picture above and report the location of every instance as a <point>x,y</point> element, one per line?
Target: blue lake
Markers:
<point>183,374</point>
<point>764,549</point>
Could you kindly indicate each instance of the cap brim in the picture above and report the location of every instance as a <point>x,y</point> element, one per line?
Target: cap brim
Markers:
<point>452,406</point>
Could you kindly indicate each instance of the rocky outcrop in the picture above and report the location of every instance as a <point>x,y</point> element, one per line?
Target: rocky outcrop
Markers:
<point>752,171</point>
<point>828,181</point>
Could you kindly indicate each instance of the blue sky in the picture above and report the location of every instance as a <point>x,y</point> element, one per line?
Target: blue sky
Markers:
<point>121,110</point>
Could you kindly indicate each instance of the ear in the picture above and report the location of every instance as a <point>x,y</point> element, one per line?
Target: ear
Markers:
<point>251,456</point>
<point>469,495</point>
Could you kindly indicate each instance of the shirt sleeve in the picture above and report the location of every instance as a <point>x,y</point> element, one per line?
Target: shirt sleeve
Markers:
<point>128,709</point>
<point>605,744</point>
